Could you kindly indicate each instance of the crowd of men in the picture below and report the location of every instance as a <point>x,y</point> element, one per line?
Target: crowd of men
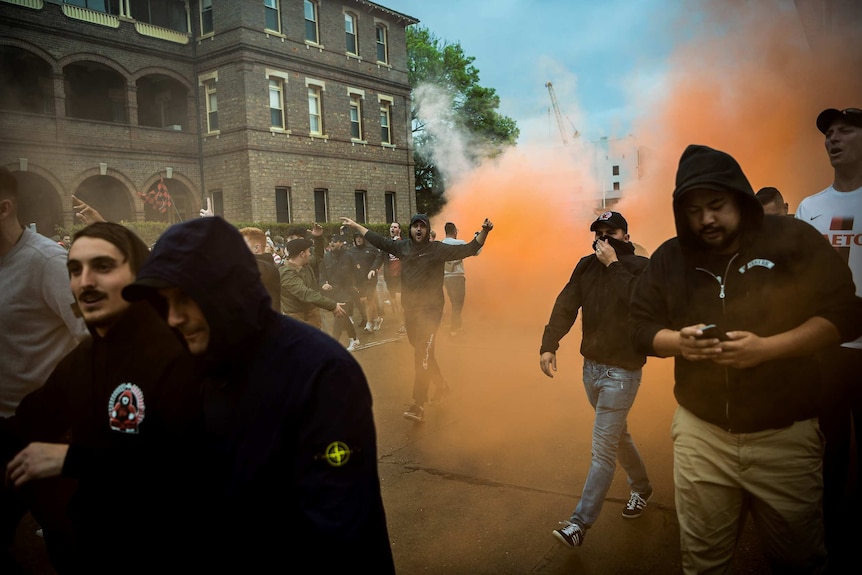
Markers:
<point>185,375</point>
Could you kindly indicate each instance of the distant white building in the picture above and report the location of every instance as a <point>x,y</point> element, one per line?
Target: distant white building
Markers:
<point>617,165</point>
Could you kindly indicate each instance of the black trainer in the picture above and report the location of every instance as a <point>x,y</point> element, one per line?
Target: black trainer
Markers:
<point>415,413</point>
<point>571,534</point>
<point>637,503</point>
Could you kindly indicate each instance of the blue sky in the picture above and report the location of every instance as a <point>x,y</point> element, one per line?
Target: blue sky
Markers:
<point>597,54</point>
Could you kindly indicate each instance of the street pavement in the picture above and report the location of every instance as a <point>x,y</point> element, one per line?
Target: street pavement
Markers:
<point>480,485</point>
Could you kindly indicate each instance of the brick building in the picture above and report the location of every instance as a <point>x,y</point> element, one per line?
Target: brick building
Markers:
<point>277,110</point>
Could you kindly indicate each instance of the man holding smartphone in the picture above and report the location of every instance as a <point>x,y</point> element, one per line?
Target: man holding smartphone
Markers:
<point>745,435</point>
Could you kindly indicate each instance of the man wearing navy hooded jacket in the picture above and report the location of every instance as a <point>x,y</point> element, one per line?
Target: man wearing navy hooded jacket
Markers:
<point>745,434</point>
<point>290,432</point>
<point>422,263</point>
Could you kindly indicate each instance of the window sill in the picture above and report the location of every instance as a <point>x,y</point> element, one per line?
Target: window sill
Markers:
<point>214,133</point>
<point>323,137</point>
<point>383,65</point>
<point>275,33</point>
<point>274,131</point>
<point>390,146</point>
<point>355,141</point>
<point>309,44</point>
<point>352,56</point>
<point>207,36</point>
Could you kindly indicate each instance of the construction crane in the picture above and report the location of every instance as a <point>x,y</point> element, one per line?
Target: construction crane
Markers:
<point>556,106</point>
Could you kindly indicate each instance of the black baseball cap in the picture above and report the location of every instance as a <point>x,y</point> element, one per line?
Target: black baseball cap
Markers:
<point>851,116</point>
<point>613,219</point>
<point>298,245</point>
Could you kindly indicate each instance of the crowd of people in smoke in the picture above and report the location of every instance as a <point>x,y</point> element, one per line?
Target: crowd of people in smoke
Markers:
<point>143,374</point>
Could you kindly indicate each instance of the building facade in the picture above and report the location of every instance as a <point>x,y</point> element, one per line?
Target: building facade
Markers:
<point>274,110</point>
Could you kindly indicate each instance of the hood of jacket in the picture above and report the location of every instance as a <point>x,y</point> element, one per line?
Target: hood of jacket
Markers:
<point>704,168</point>
<point>209,261</point>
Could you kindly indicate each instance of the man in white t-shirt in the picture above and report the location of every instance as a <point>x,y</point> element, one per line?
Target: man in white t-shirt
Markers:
<point>837,213</point>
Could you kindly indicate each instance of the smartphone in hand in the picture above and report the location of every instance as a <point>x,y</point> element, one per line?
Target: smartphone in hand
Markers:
<point>711,331</point>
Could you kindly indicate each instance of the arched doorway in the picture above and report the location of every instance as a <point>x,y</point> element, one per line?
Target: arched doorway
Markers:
<point>108,196</point>
<point>38,203</point>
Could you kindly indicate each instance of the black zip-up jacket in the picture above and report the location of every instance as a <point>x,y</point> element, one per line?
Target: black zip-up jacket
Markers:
<point>422,267</point>
<point>603,294</point>
<point>784,273</point>
<point>291,441</point>
<point>129,406</point>
<point>342,272</point>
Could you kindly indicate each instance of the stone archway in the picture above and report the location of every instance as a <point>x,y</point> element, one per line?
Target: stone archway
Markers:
<point>108,196</point>
<point>38,203</point>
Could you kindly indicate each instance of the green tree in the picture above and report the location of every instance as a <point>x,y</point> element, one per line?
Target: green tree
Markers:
<point>449,107</point>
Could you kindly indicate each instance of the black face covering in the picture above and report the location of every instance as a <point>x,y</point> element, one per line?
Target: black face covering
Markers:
<point>620,246</point>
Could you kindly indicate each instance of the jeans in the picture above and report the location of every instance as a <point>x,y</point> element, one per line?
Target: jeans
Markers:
<point>611,391</point>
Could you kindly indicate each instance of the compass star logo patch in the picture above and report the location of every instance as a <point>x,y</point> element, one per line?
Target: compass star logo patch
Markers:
<point>126,408</point>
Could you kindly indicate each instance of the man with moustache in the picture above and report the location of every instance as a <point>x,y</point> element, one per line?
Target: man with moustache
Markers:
<point>601,285</point>
<point>291,445</point>
<point>255,239</point>
<point>745,434</point>
<point>422,263</point>
<point>114,421</point>
<point>836,212</point>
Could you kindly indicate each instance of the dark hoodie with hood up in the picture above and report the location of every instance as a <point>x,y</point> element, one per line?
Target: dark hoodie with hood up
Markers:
<point>422,264</point>
<point>291,441</point>
<point>783,274</point>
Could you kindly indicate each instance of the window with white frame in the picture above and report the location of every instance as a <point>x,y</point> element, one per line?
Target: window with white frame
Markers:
<point>357,129</point>
<point>206,17</point>
<point>272,19</point>
<point>385,120</point>
<point>382,35</point>
<point>276,102</point>
<point>312,33</point>
<point>315,106</point>
<point>389,206</point>
<point>282,205</point>
<point>361,198</point>
<point>208,83</point>
<point>350,34</point>
<point>321,209</point>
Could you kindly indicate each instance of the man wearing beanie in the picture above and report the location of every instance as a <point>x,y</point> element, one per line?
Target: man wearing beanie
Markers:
<point>422,263</point>
<point>836,212</point>
<point>745,434</point>
<point>601,285</point>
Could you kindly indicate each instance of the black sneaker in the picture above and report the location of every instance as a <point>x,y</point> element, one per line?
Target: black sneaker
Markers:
<point>415,413</point>
<point>571,534</point>
<point>635,506</point>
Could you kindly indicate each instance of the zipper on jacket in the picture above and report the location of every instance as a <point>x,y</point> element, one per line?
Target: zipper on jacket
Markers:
<point>722,295</point>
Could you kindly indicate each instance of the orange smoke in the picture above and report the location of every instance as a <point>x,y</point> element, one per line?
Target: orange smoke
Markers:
<point>747,82</point>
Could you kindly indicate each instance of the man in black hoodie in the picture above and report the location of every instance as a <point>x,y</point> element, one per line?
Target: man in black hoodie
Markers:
<point>291,441</point>
<point>113,426</point>
<point>422,263</point>
<point>601,286</point>
<point>745,433</point>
